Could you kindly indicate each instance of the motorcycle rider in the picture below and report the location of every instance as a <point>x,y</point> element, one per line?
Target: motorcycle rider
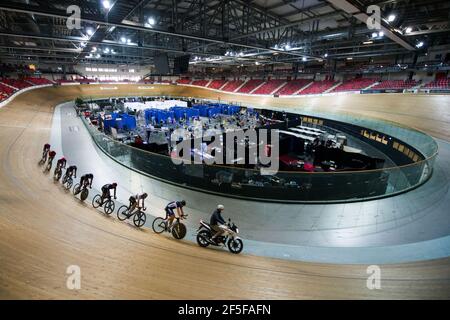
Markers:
<point>217,222</point>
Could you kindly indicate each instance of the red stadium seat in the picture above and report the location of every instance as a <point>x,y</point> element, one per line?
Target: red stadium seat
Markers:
<point>269,87</point>
<point>250,85</point>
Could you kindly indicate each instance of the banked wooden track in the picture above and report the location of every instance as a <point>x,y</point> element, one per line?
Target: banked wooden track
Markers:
<point>43,230</point>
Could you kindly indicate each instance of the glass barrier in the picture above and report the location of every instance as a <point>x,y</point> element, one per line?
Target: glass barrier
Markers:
<point>285,186</point>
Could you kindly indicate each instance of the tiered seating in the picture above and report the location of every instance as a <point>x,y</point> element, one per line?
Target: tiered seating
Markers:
<point>250,85</point>
<point>200,83</point>
<point>19,84</point>
<point>216,84</point>
<point>354,85</point>
<point>396,84</point>
<point>146,81</point>
<point>65,81</point>
<point>184,81</point>
<point>269,86</point>
<point>293,86</point>
<point>38,81</point>
<point>318,87</point>
<point>438,84</point>
<point>232,85</point>
<point>5,91</point>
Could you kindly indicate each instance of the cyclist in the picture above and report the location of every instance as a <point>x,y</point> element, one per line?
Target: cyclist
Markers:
<point>45,151</point>
<point>51,156</point>
<point>71,171</point>
<point>61,164</point>
<point>134,202</point>
<point>170,214</point>
<point>86,180</point>
<point>106,191</point>
<point>217,222</point>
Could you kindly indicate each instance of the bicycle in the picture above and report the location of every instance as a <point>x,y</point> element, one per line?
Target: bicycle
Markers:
<point>108,204</point>
<point>84,191</point>
<point>48,167</point>
<point>139,217</point>
<point>43,159</point>
<point>178,229</point>
<point>57,174</point>
<point>67,182</point>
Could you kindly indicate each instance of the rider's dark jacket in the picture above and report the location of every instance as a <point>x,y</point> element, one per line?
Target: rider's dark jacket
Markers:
<point>216,218</point>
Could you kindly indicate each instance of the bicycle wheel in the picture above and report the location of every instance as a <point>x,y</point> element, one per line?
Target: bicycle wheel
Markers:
<point>179,231</point>
<point>122,213</point>
<point>96,201</point>
<point>139,219</point>
<point>84,194</point>
<point>69,183</point>
<point>109,206</point>
<point>57,175</point>
<point>159,225</point>
<point>76,189</point>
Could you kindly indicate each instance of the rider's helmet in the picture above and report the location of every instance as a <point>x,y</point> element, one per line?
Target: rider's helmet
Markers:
<point>220,207</point>
<point>183,202</point>
<point>114,184</point>
<point>63,159</point>
<point>144,195</point>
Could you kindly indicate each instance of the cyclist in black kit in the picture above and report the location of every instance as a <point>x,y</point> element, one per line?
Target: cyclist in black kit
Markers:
<point>106,191</point>
<point>86,180</point>
<point>71,171</point>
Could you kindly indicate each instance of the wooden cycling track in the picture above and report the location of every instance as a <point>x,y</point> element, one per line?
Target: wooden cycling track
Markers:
<point>43,230</point>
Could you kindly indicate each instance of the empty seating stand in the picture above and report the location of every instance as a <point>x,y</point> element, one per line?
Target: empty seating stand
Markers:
<point>5,92</point>
<point>250,85</point>
<point>292,87</point>
<point>269,87</point>
<point>184,81</point>
<point>19,84</point>
<point>232,85</point>
<point>438,84</point>
<point>354,85</point>
<point>38,81</point>
<point>396,84</point>
<point>318,87</point>
<point>200,83</point>
<point>216,84</point>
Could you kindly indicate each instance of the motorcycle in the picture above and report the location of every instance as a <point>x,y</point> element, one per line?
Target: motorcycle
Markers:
<point>229,238</point>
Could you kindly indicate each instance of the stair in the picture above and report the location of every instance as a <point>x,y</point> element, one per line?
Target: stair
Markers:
<point>239,88</point>
<point>223,85</point>
<point>373,84</point>
<point>301,89</point>
<point>279,87</point>
<point>9,86</point>
<point>209,82</point>
<point>331,89</point>
<point>29,82</point>
<point>263,83</point>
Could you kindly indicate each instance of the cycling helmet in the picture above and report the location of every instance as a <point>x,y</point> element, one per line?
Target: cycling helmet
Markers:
<point>144,195</point>
<point>114,184</point>
<point>220,207</point>
<point>183,202</point>
<point>63,159</point>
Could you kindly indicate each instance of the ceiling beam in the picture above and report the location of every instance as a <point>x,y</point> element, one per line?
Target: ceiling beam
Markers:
<point>362,16</point>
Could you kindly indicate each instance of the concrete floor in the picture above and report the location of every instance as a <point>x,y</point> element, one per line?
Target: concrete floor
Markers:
<point>409,227</point>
